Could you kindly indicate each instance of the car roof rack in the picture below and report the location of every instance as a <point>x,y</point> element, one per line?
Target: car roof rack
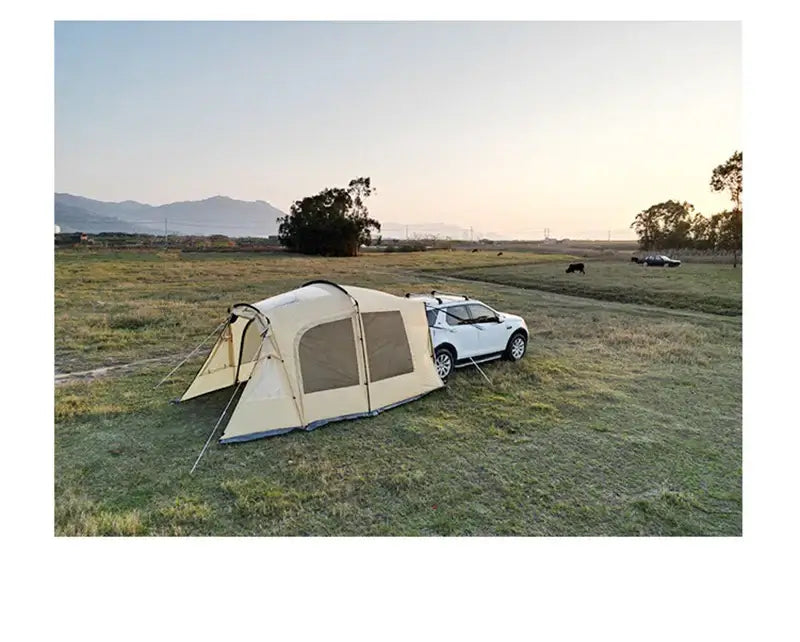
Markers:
<point>435,292</point>
<point>438,299</point>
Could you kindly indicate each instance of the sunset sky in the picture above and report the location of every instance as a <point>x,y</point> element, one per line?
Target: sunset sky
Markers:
<point>509,127</point>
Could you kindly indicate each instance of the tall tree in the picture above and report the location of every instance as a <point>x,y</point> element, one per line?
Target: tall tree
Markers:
<point>663,225</point>
<point>728,176</point>
<point>334,222</point>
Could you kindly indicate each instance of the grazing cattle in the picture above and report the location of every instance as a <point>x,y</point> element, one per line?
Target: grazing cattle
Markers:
<point>499,254</point>
<point>575,267</point>
<point>475,250</point>
<point>634,259</point>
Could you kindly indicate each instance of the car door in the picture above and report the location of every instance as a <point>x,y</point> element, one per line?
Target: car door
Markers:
<point>461,332</point>
<point>492,335</point>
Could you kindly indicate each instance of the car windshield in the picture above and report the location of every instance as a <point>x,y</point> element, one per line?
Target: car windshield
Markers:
<point>481,314</point>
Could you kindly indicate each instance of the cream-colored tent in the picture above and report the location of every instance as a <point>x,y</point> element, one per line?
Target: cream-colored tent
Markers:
<point>317,354</point>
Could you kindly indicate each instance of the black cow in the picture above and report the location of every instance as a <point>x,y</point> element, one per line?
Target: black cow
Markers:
<point>575,267</point>
<point>475,250</point>
<point>499,254</point>
<point>634,259</point>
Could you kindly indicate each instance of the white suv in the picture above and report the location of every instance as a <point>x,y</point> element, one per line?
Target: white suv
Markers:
<point>465,331</point>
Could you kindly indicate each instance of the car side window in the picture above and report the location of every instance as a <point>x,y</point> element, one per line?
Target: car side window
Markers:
<point>432,314</point>
<point>457,315</point>
<point>481,314</point>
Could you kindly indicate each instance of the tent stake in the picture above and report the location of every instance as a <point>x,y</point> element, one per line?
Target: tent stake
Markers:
<point>481,371</point>
<point>208,441</point>
<point>190,354</point>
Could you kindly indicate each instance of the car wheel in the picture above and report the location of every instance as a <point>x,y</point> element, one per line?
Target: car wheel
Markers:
<point>516,347</point>
<point>444,360</point>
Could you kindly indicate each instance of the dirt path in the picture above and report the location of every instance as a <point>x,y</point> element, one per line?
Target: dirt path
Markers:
<point>87,375</point>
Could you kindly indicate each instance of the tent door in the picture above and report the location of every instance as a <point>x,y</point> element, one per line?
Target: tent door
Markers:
<point>332,373</point>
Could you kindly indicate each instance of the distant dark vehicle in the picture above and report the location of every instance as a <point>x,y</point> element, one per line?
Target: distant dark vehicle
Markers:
<point>576,267</point>
<point>659,260</point>
<point>635,259</point>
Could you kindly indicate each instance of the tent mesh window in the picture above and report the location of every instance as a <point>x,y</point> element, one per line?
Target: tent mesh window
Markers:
<point>388,353</point>
<point>328,356</point>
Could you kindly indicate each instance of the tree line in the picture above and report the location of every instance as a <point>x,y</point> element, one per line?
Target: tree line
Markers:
<point>675,224</point>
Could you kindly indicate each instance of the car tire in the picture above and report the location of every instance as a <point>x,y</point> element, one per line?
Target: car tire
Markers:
<point>516,347</point>
<point>444,360</point>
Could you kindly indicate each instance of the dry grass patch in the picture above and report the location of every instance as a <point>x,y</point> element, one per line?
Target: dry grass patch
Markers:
<point>258,497</point>
<point>75,515</point>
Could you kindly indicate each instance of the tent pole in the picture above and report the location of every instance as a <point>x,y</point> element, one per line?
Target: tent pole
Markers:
<point>481,371</point>
<point>208,441</point>
<point>364,353</point>
<point>190,354</point>
<point>238,385</point>
<point>297,404</point>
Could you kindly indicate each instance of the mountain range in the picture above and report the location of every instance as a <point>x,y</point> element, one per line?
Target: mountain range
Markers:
<point>215,215</point>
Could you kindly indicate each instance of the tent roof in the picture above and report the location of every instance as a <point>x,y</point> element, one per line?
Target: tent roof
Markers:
<point>318,291</point>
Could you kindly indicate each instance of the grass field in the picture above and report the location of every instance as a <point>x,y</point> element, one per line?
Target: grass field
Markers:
<point>618,421</point>
<point>701,286</point>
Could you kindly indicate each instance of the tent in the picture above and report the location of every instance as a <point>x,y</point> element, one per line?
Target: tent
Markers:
<point>316,354</point>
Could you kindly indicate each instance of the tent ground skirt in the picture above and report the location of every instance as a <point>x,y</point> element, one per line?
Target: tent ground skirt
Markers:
<point>317,424</point>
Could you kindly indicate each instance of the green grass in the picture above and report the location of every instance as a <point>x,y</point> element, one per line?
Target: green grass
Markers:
<point>617,422</point>
<point>704,287</point>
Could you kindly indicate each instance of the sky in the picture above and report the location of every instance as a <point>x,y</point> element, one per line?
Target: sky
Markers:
<point>507,127</point>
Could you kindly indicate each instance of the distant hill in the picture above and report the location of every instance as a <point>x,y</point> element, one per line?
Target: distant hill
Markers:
<point>215,215</point>
<point>71,218</point>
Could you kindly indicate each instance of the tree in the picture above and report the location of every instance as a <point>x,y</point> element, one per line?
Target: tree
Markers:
<point>666,224</point>
<point>729,236</point>
<point>646,226</point>
<point>728,176</point>
<point>702,232</point>
<point>334,222</point>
